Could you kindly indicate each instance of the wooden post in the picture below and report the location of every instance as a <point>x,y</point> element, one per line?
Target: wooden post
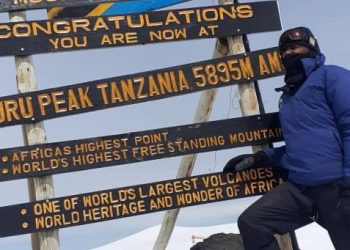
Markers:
<point>39,188</point>
<point>249,106</point>
<point>203,112</point>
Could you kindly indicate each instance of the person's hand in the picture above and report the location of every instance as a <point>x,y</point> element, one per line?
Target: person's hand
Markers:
<point>343,206</point>
<point>246,161</point>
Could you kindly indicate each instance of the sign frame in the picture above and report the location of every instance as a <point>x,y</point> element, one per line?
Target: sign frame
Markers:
<point>93,153</point>
<point>22,5</point>
<point>151,85</point>
<point>58,35</point>
<point>134,200</point>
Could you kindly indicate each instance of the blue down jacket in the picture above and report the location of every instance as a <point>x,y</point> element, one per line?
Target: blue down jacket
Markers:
<point>316,126</point>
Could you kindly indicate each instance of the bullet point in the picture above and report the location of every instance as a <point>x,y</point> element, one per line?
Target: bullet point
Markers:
<point>25,225</point>
<point>4,158</point>
<point>23,211</point>
<point>5,171</point>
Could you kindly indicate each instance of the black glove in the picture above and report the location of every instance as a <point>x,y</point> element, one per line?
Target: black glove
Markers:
<point>246,161</point>
<point>343,206</point>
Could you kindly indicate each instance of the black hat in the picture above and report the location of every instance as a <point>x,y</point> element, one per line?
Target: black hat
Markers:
<point>298,36</point>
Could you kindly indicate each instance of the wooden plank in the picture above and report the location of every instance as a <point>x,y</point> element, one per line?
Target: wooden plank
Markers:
<point>40,188</point>
<point>59,35</point>
<point>141,87</point>
<point>134,200</point>
<point>116,8</point>
<point>92,153</point>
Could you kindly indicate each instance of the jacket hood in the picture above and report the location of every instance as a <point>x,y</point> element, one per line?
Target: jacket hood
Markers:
<point>310,64</point>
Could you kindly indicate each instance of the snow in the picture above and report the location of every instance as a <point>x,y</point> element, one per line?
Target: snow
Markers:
<point>313,237</point>
<point>309,238</point>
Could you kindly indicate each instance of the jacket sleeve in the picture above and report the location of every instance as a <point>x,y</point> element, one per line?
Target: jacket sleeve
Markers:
<point>338,96</point>
<point>275,155</point>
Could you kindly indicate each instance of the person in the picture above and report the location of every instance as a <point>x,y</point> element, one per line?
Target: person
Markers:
<point>315,119</point>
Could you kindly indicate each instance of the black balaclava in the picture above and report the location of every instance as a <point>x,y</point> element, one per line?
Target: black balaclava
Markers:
<point>295,75</point>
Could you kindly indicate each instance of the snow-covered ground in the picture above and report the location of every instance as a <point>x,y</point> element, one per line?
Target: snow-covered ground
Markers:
<point>310,237</point>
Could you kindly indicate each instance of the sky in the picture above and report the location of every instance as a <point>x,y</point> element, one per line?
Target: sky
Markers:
<point>328,21</point>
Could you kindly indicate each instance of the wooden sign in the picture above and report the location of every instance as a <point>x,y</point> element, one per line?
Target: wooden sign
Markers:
<point>35,37</point>
<point>92,153</point>
<point>107,9</point>
<point>141,87</point>
<point>134,200</point>
<point>78,8</point>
